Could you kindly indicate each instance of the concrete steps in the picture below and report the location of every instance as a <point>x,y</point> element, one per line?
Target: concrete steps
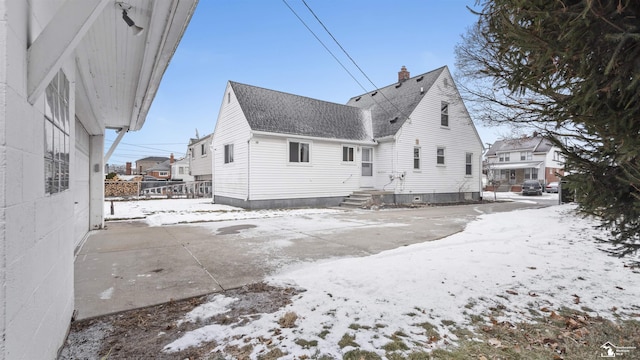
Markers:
<point>358,199</point>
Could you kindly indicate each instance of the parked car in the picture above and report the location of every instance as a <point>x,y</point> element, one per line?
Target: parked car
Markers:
<point>531,187</point>
<point>551,187</point>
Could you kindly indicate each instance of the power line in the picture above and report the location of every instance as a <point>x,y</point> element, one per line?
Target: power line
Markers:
<point>350,58</point>
<point>325,46</point>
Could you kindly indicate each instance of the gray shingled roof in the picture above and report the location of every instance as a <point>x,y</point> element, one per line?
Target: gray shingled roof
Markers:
<point>390,106</point>
<point>535,144</point>
<point>278,112</point>
<point>154,158</point>
<point>163,166</point>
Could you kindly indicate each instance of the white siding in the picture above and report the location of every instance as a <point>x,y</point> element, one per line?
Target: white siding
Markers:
<point>36,230</point>
<point>230,180</point>
<point>199,163</point>
<point>384,165</point>
<point>326,175</point>
<point>424,129</point>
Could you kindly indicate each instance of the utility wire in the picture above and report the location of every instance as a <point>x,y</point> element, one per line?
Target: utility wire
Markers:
<point>334,57</point>
<point>325,46</point>
<point>350,58</point>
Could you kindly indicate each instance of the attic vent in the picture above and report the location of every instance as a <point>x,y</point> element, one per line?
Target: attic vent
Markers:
<point>398,85</point>
<point>394,120</point>
<point>420,78</point>
<point>358,98</point>
<point>374,93</point>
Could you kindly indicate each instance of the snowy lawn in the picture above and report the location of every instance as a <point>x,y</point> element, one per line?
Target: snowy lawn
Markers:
<point>504,268</point>
<point>158,212</point>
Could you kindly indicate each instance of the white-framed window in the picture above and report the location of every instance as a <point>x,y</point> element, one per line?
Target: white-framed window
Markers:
<point>531,174</point>
<point>502,157</point>
<point>228,153</point>
<point>468,168</point>
<point>181,170</point>
<point>203,149</point>
<point>299,152</point>
<point>440,156</point>
<point>57,142</point>
<point>163,173</point>
<point>526,155</point>
<point>348,153</point>
<point>444,113</point>
<point>416,157</point>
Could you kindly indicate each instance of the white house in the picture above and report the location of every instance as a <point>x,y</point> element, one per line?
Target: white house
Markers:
<point>512,161</point>
<point>413,139</point>
<point>199,155</point>
<point>69,70</point>
<point>180,170</point>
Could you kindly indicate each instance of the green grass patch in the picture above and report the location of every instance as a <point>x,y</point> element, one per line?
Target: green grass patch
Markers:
<point>306,344</point>
<point>347,340</point>
<point>361,355</point>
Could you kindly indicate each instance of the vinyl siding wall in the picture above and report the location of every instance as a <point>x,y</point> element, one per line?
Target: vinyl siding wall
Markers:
<point>200,164</point>
<point>425,130</point>
<point>230,180</point>
<point>326,175</point>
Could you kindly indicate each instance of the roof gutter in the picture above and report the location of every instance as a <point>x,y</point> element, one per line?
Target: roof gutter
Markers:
<point>305,137</point>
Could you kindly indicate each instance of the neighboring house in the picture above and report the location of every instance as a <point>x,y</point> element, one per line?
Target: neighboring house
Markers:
<point>180,170</point>
<point>199,155</point>
<point>413,139</point>
<point>69,70</point>
<point>162,171</point>
<point>512,161</point>
<point>143,165</point>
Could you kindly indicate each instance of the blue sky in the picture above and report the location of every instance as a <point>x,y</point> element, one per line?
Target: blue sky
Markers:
<point>262,43</point>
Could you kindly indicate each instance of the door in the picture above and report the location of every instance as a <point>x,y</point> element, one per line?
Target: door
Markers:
<point>366,178</point>
<point>81,184</point>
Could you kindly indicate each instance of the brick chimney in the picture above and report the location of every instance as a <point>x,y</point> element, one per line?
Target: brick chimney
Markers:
<point>403,74</point>
<point>171,159</point>
<point>128,168</point>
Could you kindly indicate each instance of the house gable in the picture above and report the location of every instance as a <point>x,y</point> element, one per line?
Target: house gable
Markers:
<point>392,105</point>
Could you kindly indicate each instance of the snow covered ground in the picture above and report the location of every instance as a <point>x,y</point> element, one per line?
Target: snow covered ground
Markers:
<point>526,262</point>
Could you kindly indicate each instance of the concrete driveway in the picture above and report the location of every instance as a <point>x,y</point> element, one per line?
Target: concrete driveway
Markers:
<point>130,265</point>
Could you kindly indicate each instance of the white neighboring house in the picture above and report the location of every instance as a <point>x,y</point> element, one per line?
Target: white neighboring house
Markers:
<point>413,139</point>
<point>69,70</point>
<point>512,161</point>
<point>180,170</point>
<point>199,155</point>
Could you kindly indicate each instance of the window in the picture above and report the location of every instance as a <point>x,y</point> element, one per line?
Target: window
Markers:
<point>531,174</point>
<point>416,157</point>
<point>347,153</point>
<point>298,152</point>
<point>444,114</point>
<point>526,155</point>
<point>440,156</point>
<point>228,97</point>
<point>181,170</point>
<point>503,157</point>
<point>203,149</point>
<point>56,135</point>
<point>228,153</point>
<point>468,167</point>
<point>163,173</point>
<point>192,152</point>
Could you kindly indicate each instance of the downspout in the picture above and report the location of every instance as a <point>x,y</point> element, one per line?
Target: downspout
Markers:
<point>249,168</point>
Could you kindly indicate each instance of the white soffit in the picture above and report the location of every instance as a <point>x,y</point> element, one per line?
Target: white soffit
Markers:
<point>120,72</point>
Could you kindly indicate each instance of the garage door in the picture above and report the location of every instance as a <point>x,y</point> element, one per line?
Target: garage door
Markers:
<point>81,184</point>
